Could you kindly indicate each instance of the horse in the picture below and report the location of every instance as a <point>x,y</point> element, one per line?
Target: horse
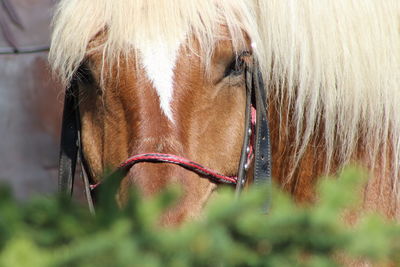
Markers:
<point>169,77</point>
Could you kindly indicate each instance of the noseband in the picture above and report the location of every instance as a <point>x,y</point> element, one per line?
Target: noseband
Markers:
<point>255,149</point>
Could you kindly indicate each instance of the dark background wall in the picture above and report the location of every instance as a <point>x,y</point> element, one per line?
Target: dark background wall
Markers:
<point>30,103</point>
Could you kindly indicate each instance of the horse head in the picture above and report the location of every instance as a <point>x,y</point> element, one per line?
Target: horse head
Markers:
<point>186,99</point>
<point>169,78</point>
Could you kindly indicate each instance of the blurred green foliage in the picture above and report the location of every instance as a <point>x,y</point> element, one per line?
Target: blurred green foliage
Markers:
<point>56,232</point>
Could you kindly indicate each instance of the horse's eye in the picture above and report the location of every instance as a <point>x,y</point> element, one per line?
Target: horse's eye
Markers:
<point>84,75</point>
<point>236,67</point>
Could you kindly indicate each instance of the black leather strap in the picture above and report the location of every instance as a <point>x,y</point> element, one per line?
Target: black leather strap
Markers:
<point>69,147</point>
<point>263,161</point>
<point>255,96</point>
<point>242,170</point>
<point>262,158</point>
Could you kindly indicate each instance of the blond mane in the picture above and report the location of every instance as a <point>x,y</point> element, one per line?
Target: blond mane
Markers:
<point>339,58</point>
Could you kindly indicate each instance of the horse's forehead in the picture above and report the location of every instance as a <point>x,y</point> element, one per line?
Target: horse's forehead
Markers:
<point>159,62</point>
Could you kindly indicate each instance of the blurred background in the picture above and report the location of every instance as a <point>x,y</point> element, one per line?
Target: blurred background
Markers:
<point>30,99</point>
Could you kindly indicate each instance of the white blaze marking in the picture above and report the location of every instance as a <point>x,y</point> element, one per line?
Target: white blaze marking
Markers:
<point>159,62</point>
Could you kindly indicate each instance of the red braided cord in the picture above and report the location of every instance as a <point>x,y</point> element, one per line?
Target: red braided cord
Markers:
<point>186,163</point>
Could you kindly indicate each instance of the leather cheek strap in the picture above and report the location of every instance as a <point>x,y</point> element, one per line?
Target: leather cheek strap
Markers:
<point>256,97</point>
<point>69,141</point>
<point>242,170</point>
<point>263,160</point>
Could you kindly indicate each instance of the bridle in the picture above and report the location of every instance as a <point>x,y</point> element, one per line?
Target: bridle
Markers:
<point>255,149</point>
